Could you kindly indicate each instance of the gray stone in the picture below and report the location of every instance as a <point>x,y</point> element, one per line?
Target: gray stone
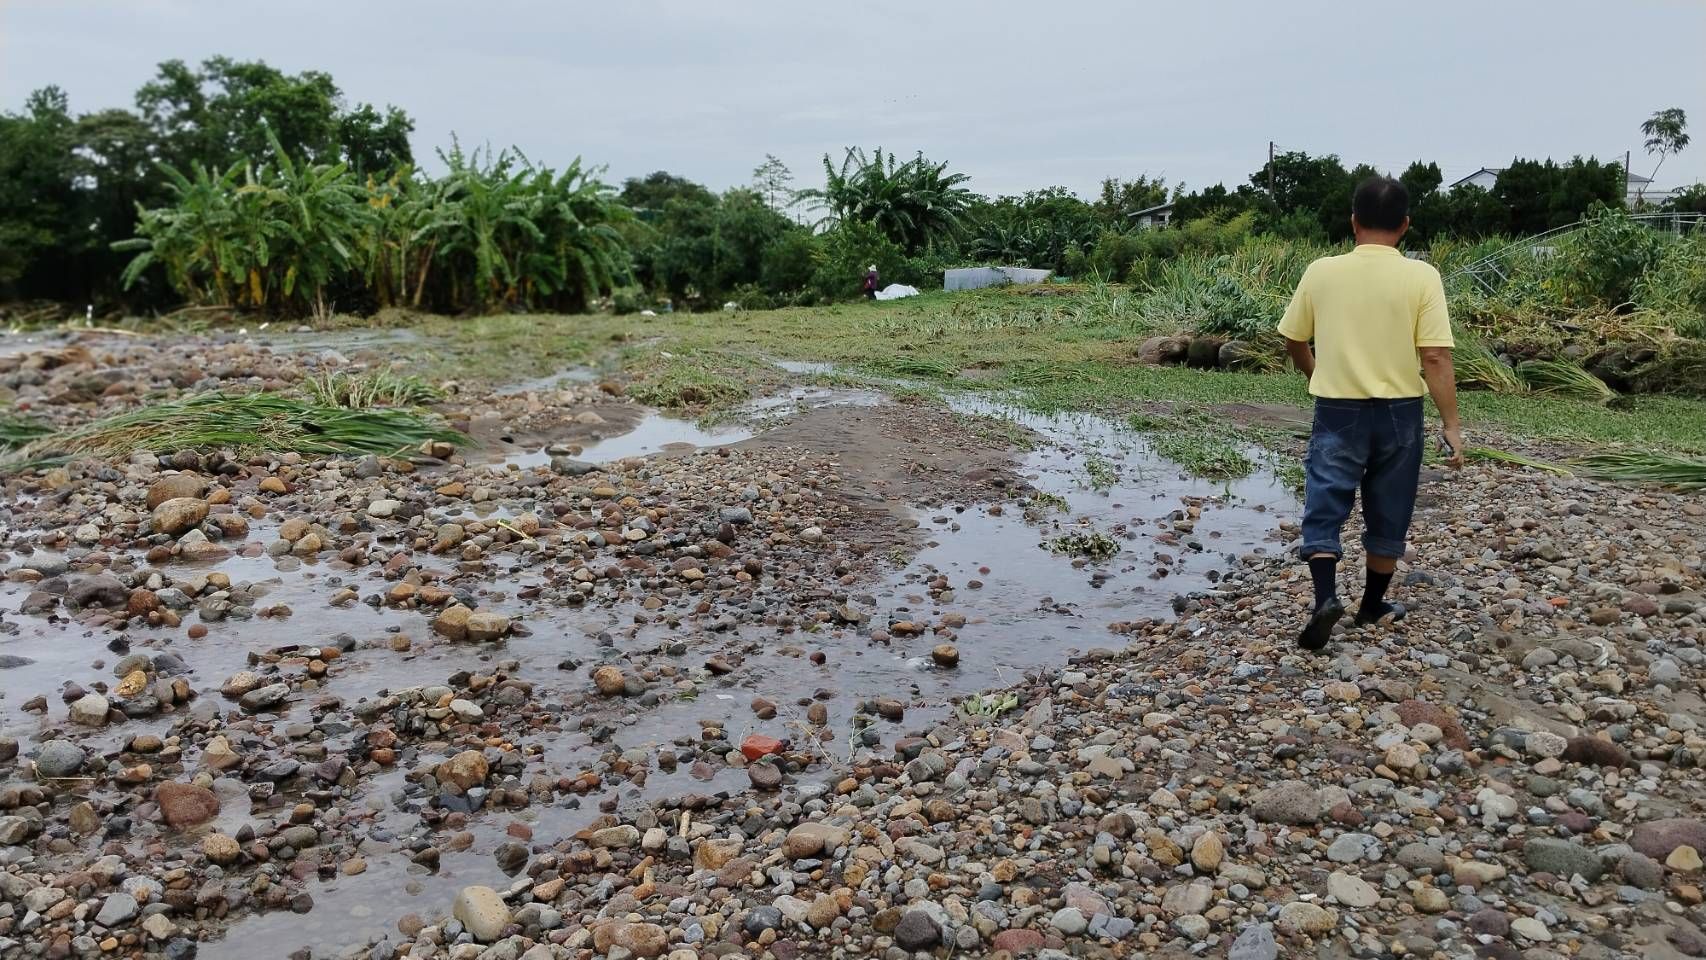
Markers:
<point>917,930</point>
<point>1562,858</point>
<point>1420,856</point>
<point>59,758</point>
<point>1070,921</point>
<point>118,908</point>
<point>1352,847</point>
<point>1255,942</point>
<point>1292,802</point>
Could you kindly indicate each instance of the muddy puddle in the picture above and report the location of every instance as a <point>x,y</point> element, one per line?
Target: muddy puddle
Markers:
<point>1009,603</point>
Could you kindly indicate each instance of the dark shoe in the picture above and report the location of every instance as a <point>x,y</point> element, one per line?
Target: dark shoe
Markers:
<point>1390,612</point>
<point>1319,629</point>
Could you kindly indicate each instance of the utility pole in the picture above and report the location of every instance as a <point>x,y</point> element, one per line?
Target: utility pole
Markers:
<point>1271,171</point>
<point>1626,154</point>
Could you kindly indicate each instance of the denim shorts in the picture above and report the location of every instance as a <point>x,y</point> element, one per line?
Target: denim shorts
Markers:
<point>1374,445</point>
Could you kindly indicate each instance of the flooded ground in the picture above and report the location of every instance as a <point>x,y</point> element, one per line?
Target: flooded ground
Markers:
<point>982,573</point>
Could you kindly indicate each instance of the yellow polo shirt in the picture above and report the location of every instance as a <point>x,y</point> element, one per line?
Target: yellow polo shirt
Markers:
<point>1368,311</point>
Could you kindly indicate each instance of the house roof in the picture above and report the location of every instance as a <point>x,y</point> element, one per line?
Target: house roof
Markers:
<point>1495,171</point>
<point>1155,209</point>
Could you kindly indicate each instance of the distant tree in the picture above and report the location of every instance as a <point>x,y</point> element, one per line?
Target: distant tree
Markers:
<point>914,204</point>
<point>38,198</point>
<point>1421,179</point>
<point>1667,133</point>
<point>1120,199</point>
<point>771,180</point>
<point>648,196</point>
<point>226,110</point>
<point>375,143</point>
<point>1689,199</point>
<point>1215,201</point>
<point>1295,183</point>
<point>1040,228</point>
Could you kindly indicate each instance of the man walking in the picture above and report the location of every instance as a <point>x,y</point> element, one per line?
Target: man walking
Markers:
<point>1376,317</point>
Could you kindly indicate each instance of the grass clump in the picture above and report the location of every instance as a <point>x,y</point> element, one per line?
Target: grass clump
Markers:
<point>1645,466</point>
<point>376,388</point>
<point>1094,545</point>
<point>1564,379</point>
<point>706,380</point>
<point>250,423</point>
<point>1475,365</point>
<point>16,431</point>
<point>1101,473</point>
<point>1206,447</point>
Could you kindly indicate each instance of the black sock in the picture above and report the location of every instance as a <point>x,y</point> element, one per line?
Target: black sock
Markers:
<point>1325,572</point>
<point>1374,596</point>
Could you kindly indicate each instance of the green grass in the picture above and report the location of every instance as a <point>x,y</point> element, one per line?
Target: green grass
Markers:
<point>707,380</point>
<point>1205,445</point>
<point>248,423</point>
<point>1641,466</point>
<point>16,431</point>
<point>376,388</point>
<point>1080,359</point>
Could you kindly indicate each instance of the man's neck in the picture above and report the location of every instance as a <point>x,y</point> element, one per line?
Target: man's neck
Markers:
<point>1377,238</point>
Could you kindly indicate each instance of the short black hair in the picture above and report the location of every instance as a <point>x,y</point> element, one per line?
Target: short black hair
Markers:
<point>1381,203</point>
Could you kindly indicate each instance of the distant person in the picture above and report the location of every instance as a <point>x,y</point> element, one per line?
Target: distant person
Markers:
<point>871,283</point>
<point>1376,316</point>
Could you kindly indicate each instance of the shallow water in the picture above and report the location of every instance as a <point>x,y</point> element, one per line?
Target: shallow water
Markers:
<point>1034,608</point>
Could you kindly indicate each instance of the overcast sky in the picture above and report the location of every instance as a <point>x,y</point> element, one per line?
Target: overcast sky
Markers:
<point>1018,95</point>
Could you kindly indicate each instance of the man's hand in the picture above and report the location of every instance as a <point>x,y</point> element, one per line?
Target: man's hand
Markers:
<point>1454,438</point>
<point>1442,386</point>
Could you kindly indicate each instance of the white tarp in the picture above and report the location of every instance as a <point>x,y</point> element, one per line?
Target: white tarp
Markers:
<point>895,291</point>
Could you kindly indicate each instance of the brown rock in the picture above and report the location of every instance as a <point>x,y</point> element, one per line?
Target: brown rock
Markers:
<point>453,622</point>
<point>175,486</point>
<point>465,771</point>
<point>185,804</point>
<point>179,515</point>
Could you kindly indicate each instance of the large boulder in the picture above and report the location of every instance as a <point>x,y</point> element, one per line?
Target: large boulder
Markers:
<point>1204,352</point>
<point>1240,355</point>
<point>1163,350</point>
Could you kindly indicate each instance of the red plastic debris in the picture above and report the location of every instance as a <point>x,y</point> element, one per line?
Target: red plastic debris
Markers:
<point>758,745</point>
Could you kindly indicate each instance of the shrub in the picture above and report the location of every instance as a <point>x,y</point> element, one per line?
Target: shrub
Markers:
<point>626,300</point>
<point>846,252</point>
<point>790,261</point>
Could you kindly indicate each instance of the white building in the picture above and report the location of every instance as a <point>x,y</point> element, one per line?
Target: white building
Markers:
<point>1151,217</point>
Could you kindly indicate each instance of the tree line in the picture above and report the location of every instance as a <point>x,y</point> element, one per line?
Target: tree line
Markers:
<point>234,183</point>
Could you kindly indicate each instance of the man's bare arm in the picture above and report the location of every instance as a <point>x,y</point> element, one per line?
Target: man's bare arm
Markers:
<point>1442,386</point>
<point>1301,356</point>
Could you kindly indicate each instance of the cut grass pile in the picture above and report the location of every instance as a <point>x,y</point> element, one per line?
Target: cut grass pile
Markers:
<point>18,431</point>
<point>1564,379</point>
<point>1645,466</point>
<point>376,388</point>
<point>249,423</point>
